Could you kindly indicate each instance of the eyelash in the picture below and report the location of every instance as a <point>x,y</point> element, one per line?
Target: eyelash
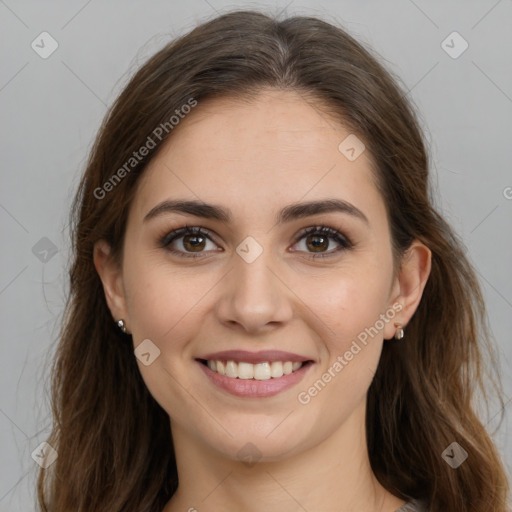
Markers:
<point>329,232</point>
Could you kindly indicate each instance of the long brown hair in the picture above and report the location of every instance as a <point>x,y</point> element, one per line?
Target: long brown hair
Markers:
<point>115,450</point>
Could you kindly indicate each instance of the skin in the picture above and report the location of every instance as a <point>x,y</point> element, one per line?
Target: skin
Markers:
<point>254,158</point>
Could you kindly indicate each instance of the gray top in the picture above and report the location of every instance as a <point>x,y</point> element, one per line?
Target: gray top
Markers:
<point>413,506</point>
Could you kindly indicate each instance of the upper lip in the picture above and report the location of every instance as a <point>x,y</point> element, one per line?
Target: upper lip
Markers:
<point>255,357</point>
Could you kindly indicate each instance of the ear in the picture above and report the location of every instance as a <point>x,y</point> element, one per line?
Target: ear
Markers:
<point>112,278</point>
<point>408,286</point>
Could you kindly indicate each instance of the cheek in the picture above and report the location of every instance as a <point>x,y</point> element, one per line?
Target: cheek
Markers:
<point>164,306</point>
<point>160,300</point>
<point>345,303</point>
<point>347,311</point>
<point>350,343</point>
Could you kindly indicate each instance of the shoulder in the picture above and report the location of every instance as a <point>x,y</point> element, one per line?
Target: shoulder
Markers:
<point>413,506</point>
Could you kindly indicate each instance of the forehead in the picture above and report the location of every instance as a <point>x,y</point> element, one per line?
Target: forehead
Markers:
<point>279,144</point>
<point>279,120</point>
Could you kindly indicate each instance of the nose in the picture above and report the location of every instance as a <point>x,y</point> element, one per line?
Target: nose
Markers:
<point>254,296</point>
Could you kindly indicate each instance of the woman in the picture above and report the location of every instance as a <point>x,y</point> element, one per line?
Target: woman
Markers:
<point>266,311</point>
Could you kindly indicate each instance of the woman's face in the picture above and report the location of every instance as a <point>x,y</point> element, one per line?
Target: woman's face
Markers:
<point>253,281</point>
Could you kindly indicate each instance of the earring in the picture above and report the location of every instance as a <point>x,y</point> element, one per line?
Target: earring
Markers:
<point>399,334</point>
<point>122,325</point>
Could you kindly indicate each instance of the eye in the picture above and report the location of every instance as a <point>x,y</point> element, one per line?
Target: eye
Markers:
<point>319,238</point>
<point>188,242</point>
<point>192,242</point>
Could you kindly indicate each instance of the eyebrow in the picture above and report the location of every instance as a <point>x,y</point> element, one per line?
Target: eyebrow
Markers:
<point>287,214</point>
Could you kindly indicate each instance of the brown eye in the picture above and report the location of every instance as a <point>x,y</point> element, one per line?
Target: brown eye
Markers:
<point>189,242</point>
<point>317,240</point>
<point>194,242</point>
<point>317,243</point>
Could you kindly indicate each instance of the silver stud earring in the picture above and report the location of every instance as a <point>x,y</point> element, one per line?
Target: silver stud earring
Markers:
<point>399,334</point>
<point>122,325</point>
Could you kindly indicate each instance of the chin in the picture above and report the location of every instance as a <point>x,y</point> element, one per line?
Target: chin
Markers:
<point>266,441</point>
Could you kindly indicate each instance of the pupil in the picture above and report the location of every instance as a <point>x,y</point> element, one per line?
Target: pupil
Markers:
<point>317,243</point>
<point>194,244</point>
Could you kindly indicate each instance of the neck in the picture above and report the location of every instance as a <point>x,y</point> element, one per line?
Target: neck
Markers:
<point>334,475</point>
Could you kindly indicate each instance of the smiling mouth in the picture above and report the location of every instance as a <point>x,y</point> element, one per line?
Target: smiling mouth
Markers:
<point>260,371</point>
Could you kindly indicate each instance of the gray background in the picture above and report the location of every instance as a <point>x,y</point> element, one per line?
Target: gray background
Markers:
<point>51,109</point>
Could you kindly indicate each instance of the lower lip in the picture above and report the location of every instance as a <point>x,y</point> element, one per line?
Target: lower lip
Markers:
<point>252,388</point>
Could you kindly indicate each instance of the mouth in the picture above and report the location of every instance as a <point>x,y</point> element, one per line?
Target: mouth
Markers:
<point>253,380</point>
<point>264,370</point>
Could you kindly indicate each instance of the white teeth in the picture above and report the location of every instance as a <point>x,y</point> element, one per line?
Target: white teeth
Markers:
<point>245,370</point>
<point>276,369</point>
<point>262,371</point>
<point>259,371</point>
<point>220,368</point>
<point>231,369</point>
